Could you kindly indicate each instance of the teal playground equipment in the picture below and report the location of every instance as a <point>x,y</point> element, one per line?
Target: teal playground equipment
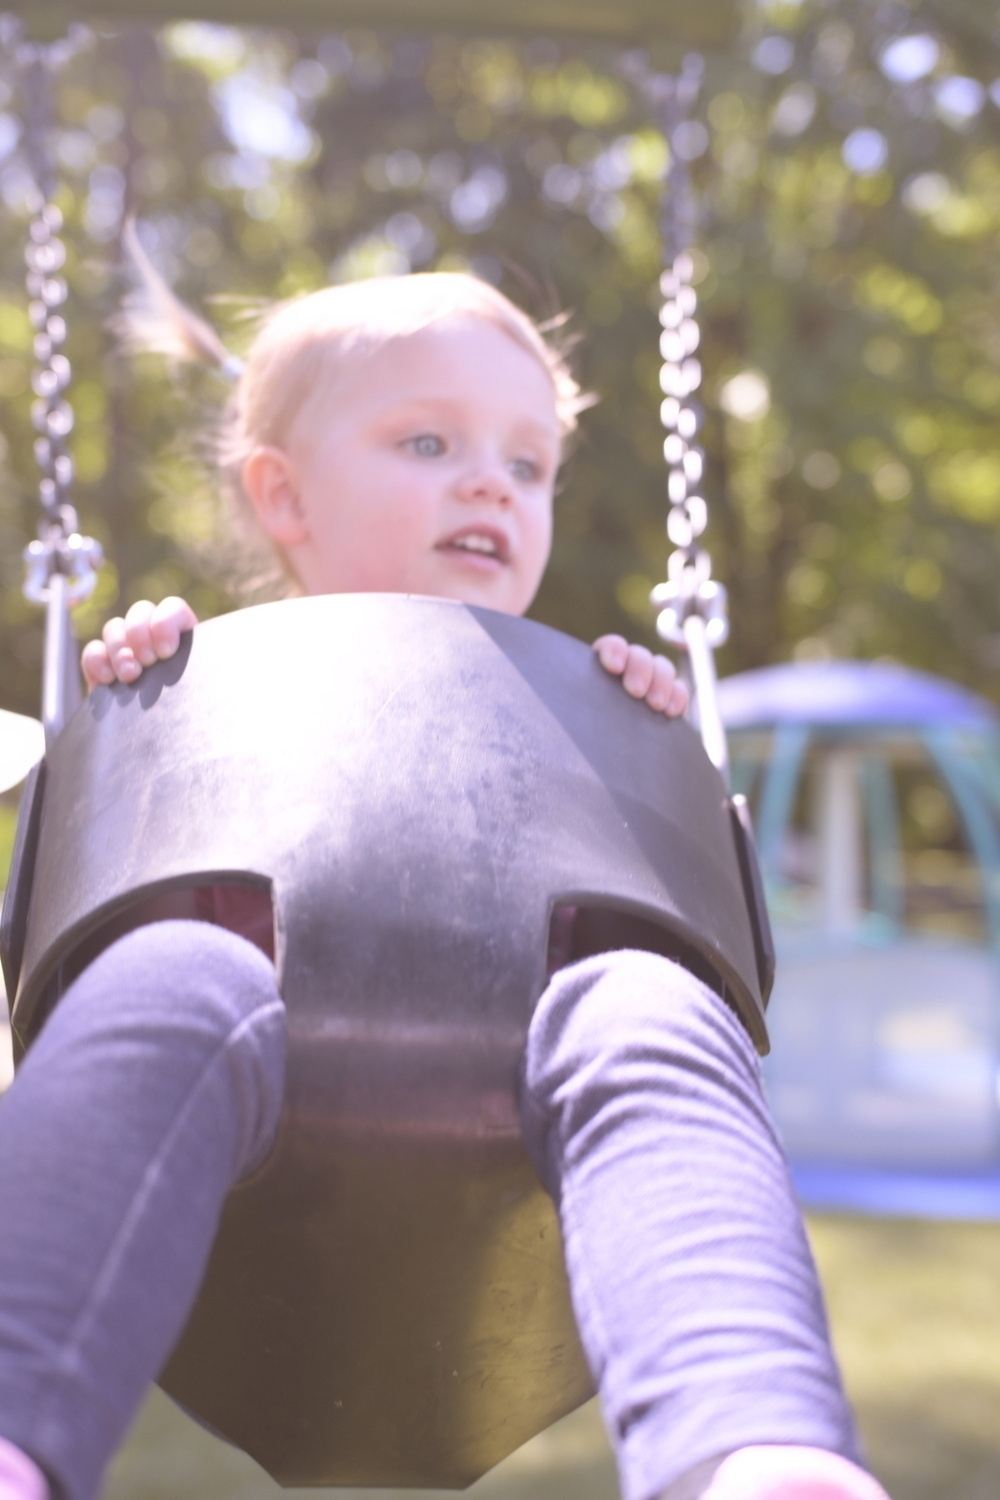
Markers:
<point>876,798</point>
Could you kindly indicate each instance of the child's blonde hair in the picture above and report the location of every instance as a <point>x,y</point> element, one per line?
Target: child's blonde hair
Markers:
<point>296,350</point>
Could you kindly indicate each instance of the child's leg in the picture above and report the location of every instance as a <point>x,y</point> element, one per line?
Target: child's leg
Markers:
<point>693,1284</point>
<point>153,1087</point>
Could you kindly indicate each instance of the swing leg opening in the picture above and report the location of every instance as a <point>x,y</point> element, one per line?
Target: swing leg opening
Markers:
<point>239,906</point>
<point>579,930</point>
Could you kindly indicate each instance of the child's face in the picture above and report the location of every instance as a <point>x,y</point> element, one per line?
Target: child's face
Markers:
<point>427,468</point>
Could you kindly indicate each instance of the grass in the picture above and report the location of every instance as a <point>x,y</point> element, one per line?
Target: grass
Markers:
<point>168,1456</point>
<point>915,1311</point>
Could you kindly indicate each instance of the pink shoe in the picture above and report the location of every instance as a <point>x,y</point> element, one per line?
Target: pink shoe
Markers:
<point>20,1478</point>
<point>787,1473</point>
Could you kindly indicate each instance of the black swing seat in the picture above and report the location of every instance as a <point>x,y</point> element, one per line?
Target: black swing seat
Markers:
<point>416,786</point>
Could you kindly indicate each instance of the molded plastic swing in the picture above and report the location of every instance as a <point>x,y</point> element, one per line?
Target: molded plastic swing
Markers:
<point>386,1301</point>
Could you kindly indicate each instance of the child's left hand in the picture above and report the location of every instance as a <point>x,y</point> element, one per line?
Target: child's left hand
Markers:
<point>643,675</point>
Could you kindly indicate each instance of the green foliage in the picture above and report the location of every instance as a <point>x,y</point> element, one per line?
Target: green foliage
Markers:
<point>854,499</point>
<point>8,828</point>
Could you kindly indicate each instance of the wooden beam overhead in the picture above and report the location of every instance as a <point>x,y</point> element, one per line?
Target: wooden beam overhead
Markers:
<point>686,23</point>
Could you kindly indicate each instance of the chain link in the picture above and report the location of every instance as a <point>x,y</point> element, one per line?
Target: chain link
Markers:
<point>689,588</point>
<point>692,610</point>
<point>59,548</point>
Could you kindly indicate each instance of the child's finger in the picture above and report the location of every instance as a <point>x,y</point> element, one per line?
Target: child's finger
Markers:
<point>679,699</point>
<point>169,620</point>
<point>96,664</point>
<point>661,690</point>
<point>637,677</point>
<point>120,654</point>
<point>138,634</point>
<point>612,653</point>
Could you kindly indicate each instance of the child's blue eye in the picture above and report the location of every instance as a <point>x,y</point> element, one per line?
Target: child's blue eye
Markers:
<point>526,470</point>
<point>426,445</point>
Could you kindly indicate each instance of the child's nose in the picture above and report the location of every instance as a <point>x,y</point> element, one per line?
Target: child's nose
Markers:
<point>489,482</point>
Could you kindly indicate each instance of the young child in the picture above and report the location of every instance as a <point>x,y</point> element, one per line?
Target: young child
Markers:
<point>404,435</point>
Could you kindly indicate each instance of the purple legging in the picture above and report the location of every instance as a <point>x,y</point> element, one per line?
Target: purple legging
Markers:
<point>157,1084</point>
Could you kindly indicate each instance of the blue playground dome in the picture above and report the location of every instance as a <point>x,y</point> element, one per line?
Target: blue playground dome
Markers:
<point>876,800</point>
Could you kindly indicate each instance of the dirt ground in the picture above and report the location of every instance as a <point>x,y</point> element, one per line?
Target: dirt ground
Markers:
<point>915,1310</point>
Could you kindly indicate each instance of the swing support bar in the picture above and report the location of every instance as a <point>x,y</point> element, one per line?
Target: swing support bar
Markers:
<point>677,24</point>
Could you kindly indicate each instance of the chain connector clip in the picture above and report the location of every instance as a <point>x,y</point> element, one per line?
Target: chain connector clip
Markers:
<point>76,558</point>
<point>676,600</point>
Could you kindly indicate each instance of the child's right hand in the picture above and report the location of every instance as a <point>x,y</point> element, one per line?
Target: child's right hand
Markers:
<point>148,633</point>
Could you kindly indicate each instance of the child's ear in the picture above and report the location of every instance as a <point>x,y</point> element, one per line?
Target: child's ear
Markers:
<point>271,483</point>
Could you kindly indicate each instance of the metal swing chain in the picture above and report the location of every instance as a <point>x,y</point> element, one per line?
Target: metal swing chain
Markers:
<point>61,565</point>
<point>693,607</point>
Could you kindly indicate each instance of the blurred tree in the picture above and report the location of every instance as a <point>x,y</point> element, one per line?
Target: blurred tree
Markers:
<point>851,214</point>
<point>848,171</point>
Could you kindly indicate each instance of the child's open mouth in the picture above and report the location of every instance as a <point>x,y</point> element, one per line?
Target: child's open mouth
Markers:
<point>479,543</point>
